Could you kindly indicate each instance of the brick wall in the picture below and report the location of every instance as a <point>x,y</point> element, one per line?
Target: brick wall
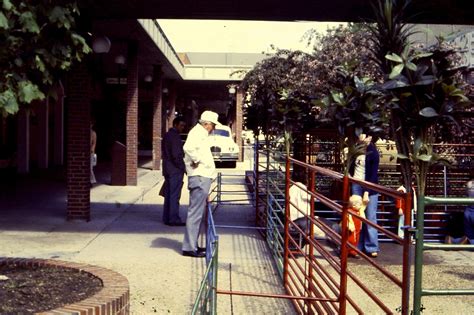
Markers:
<point>78,144</point>
<point>113,299</point>
<point>157,116</point>
<point>132,114</point>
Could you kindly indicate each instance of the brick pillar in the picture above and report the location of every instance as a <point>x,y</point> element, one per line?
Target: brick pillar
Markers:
<point>132,114</point>
<point>78,143</point>
<point>157,115</point>
<point>23,151</point>
<point>173,95</point>
<point>239,101</point>
<point>58,108</point>
<point>43,134</point>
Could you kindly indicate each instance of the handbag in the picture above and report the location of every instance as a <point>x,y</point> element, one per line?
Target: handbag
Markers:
<point>162,189</point>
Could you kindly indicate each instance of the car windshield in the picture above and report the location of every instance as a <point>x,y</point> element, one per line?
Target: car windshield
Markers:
<point>221,132</point>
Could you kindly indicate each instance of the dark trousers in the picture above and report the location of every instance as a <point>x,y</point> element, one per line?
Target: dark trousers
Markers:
<point>173,185</point>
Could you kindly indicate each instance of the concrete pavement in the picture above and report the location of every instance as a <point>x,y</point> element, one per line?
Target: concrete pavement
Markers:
<point>126,235</point>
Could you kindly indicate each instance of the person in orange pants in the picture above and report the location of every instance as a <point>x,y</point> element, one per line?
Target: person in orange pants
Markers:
<point>357,205</point>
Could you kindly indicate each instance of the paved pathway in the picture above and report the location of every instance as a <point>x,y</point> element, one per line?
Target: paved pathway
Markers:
<point>126,235</point>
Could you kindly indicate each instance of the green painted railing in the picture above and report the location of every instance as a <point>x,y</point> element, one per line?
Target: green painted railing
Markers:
<point>206,299</point>
<point>421,246</point>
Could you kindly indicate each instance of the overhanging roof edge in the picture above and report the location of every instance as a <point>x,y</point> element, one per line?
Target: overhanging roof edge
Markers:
<point>158,36</point>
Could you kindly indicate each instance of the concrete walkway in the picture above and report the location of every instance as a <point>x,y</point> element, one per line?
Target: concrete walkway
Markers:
<point>126,235</point>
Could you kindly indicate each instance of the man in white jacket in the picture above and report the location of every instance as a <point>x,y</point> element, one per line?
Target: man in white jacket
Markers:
<point>201,171</point>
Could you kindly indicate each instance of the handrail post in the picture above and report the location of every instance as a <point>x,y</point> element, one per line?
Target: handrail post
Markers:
<point>312,184</point>
<point>417,291</point>
<point>214,279</point>
<point>406,254</point>
<point>287,220</point>
<point>344,249</point>
<point>256,178</point>
<point>219,188</point>
<point>267,185</point>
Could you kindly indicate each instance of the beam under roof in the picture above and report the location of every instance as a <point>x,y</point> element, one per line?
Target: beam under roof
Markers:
<point>423,11</point>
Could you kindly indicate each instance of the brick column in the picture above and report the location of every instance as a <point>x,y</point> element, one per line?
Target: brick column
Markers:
<point>132,114</point>
<point>23,134</point>
<point>239,101</point>
<point>78,143</point>
<point>43,134</point>
<point>157,115</point>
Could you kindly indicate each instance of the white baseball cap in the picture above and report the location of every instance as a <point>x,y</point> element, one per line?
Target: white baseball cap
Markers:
<point>210,116</point>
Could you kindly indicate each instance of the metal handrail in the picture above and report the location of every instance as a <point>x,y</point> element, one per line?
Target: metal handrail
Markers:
<point>290,266</point>
<point>421,246</point>
<point>206,299</point>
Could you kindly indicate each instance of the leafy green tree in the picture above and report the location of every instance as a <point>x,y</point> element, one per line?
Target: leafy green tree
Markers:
<point>423,91</point>
<point>38,42</point>
<point>276,103</point>
<point>346,78</point>
<point>354,107</point>
<point>343,47</point>
<point>283,88</point>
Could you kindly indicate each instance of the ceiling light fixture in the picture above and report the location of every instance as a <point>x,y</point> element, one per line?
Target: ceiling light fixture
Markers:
<point>101,44</point>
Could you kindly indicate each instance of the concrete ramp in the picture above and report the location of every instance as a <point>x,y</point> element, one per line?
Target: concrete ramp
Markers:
<point>245,264</point>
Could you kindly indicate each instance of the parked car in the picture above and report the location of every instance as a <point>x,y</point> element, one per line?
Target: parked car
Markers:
<point>223,146</point>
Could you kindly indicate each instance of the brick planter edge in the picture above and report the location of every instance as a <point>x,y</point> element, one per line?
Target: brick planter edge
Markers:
<point>113,298</point>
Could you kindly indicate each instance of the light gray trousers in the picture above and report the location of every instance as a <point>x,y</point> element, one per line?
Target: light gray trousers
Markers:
<point>198,191</point>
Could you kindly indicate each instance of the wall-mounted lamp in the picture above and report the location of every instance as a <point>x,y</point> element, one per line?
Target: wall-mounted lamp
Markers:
<point>148,78</point>
<point>232,89</point>
<point>165,90</point>
<point>101,44</point>
<point>119,59</point>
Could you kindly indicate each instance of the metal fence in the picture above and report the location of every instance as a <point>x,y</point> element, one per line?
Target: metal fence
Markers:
<point>206,300</point>
<point>229,190</point>
<point>316,274</point>
<point>315,271</point>
<point>322,148</point>
<point>422,246</point>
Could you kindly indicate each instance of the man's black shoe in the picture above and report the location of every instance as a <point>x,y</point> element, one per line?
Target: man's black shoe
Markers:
<point>176,224</point>
<point>192,253</point>
<point>201,249</point>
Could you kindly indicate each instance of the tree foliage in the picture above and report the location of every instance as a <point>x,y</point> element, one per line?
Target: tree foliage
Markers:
<point>347,47</point>
<point>38,42</point>
<point>354,108</point>
<point>368,78</point>
<point>423,91</point>
<point>277,99</point>
<point>283,88</point>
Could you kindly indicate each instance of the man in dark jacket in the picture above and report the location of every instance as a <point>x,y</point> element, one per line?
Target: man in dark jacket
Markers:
<point>173,171</point>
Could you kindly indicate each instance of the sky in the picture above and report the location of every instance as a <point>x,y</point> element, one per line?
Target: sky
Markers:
<point>237,36</point>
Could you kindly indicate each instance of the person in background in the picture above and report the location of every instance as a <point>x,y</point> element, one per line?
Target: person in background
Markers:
<point>354,224</point>
<point>469,213</point>
<point>93,154</point>
<point>468,237</point>
<point>400,205</point>
<point>201,171</point>
<point>300,206</point>
<point>173,171</point>
<point>300,211</point>
<point>365,167</point>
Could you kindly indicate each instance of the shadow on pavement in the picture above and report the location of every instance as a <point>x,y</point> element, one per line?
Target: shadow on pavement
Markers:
<point>161,242</point>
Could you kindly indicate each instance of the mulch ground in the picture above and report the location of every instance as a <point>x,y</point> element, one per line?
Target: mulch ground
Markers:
<point>29,290</point>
